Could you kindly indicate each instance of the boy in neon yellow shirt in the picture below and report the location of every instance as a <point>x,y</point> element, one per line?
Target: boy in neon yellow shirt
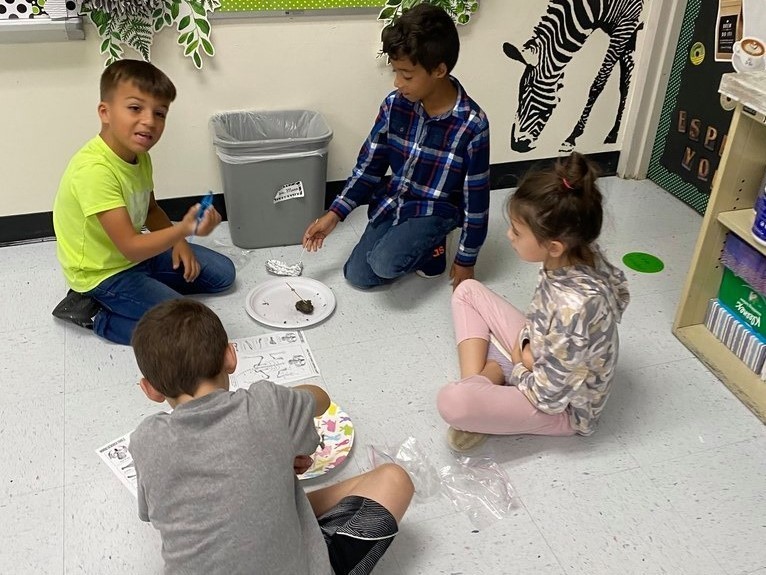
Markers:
<point>105,200</point>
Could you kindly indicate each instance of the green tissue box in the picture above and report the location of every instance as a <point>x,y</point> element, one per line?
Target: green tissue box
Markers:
<point>743,301</point>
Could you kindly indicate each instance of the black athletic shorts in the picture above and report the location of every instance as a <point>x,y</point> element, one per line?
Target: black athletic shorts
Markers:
<point>357,532</point>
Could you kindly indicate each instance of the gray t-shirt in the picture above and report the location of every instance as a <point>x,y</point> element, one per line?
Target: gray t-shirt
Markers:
<point>216,478</point>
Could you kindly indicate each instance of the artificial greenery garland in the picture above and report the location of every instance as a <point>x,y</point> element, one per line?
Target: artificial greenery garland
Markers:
<point>460,10</point>
<point>124,7</point>
<point>133,23</point>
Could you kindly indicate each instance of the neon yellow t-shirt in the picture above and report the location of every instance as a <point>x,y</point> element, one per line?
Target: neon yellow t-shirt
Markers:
<point>97,180</point>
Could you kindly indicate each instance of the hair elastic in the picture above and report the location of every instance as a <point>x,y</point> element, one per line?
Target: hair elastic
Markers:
<point>567,185</point>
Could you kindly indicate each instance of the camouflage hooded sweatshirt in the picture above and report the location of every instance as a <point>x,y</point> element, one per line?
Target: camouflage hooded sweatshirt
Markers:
<point>571,326</point>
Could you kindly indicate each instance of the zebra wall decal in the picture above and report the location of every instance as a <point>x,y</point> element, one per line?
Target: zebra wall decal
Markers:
<point>561,32</point>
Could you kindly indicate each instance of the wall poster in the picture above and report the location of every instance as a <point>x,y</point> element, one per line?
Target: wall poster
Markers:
<point>559,35</point>
<point>294,5</point>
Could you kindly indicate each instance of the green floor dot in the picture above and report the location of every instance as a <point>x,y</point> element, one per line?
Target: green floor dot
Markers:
<point>644,263</point>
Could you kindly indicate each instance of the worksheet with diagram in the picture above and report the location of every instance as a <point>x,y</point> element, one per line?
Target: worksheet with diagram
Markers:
<point>280,357</point>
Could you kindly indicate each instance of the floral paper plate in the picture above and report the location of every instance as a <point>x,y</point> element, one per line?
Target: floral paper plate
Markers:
<point>337,434</point>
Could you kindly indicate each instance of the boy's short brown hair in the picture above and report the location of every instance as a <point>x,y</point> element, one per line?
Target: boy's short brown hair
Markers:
<point>177,344</point>
<point>144,75</point>
<point>426,35</point>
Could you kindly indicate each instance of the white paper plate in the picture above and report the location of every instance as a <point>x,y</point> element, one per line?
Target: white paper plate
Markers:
<point>272,303</point>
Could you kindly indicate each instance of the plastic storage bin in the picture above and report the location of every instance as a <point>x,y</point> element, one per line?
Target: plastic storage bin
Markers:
<point>274,172</point>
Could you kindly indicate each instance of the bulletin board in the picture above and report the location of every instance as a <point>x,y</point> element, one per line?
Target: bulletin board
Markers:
<point>21,9</point>
<point>682,161</point>
<point>694,120</point>
<point>294,5</point>
<point>10,9</point>
<point>40,9</point>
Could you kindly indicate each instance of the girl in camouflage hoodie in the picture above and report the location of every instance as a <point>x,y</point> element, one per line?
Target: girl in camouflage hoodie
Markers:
<point>565,348</point>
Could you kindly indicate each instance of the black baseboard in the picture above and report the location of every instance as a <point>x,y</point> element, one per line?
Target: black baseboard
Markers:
<point>26,228</point>
<point>508,175</point>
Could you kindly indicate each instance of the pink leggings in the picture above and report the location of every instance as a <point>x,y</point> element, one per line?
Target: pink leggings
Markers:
<point>476,404</point>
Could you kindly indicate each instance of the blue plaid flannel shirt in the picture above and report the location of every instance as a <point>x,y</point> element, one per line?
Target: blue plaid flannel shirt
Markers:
<point>439,165</point>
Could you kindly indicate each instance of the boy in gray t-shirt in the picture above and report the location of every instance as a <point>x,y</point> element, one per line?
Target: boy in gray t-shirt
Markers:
<point>217,476</point>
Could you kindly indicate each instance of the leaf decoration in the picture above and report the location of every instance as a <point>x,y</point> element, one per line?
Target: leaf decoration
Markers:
<point>133,25</point>
<point>136,31</point>
<point>459,10</point>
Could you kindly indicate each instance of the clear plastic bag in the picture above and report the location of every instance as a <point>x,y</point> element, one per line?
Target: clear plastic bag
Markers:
<point>238,256</point>
<point>413,458</point>
<point>476,486</point>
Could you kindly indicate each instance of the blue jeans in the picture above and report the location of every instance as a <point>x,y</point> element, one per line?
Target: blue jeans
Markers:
<point>126,296</point>
<point>386,251</point>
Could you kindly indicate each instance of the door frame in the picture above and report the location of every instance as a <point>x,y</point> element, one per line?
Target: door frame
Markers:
<point>662,27</point>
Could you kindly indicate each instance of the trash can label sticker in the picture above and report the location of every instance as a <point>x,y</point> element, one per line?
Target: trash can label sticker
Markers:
<point>289,191</point>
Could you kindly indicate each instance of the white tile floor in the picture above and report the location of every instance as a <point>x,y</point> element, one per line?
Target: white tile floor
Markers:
<point>672,483</point>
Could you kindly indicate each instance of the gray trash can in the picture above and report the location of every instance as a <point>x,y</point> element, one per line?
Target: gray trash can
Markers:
<point>274,172</point>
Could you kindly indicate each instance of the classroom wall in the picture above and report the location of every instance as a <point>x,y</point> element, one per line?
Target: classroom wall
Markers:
<point>49,93</point>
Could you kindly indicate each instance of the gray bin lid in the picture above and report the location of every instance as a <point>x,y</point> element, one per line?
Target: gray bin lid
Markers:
<point>265,132</point>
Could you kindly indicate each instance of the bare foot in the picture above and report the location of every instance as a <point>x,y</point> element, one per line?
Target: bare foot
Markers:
<point>493,372</point>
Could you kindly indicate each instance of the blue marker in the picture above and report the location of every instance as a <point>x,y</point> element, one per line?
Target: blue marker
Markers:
<point>206,202</point>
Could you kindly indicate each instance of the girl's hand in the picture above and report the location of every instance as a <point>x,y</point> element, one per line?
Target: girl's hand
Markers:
<point>522,355</point>
<point>516,354</point>
<point>301,464</point>
<point>319,230</point>
<point>183,254</point>
<point>526,357</point>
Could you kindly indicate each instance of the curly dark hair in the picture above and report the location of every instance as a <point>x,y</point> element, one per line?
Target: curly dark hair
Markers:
<point>426,35</point>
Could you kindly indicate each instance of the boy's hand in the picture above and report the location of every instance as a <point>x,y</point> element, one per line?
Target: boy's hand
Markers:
<point>459,273</point>
<point>301,464</point>
<point>206,225</point>
<point>183,254</point>
<point>319,230</point>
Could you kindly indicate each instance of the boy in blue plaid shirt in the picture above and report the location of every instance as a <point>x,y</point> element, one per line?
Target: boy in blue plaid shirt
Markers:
<point>435,140</point>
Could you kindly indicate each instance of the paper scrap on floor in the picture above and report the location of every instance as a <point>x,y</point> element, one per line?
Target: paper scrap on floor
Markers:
<point>116,455</point>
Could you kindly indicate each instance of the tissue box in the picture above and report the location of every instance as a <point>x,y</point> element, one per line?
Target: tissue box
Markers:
<point>745,261</point>
<point>743,301</point>
<point>734,335</point>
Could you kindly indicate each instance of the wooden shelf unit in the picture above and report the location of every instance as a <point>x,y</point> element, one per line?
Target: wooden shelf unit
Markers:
<point>730,208</point>
<point>741,222</point>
